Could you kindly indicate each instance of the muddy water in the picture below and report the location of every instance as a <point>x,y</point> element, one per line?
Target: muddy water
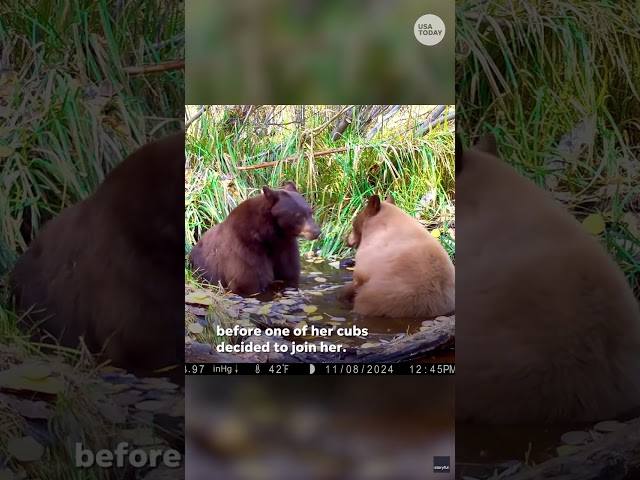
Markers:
<point>336,314</point>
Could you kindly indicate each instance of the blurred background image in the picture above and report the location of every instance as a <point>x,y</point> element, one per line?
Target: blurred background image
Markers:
<point>343,427</point>
<point>309,51</point>
<point>83,84</point>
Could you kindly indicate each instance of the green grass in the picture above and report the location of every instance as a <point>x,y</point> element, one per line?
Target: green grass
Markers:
<point>530,73</point>
<point>395,161</point>
<point>69,112</point>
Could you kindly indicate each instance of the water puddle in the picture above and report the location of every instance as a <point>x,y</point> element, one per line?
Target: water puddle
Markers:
<point>315,303</point>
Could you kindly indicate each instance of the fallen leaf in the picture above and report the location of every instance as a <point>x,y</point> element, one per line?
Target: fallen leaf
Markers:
<point>335,264</point>
<point>575,438</point>
<point>149,405</point>
<point>6,151</point>
<point>115,414</point>
<point>609,426</point>
<point>29,408</point>
<point>594,223</point>
<point>34,371</point>
<point>25,449</point>
<point>567,450</point>
<point>320,279</point>
<point>11,379</point>
<point>287,301</point>
<point>309,308</point>
<point>199,299</point>
<point>316,317</point>
<point>195,328</point>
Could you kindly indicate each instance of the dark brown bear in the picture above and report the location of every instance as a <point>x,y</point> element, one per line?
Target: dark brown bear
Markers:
<point>111,268</point>
<point>257,244</point>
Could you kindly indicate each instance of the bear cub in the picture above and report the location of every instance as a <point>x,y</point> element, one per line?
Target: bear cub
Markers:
<point>110,269</point>
<point>401,270</point>
<point>549,330</point>
<point>257,244</point>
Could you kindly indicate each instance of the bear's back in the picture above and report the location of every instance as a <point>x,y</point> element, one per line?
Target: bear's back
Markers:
<point>545,310</point>
<point>111,267</point>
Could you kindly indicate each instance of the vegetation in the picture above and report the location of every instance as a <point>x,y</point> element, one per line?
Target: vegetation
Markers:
<point>231,157</point>
<point>556,82</point>
<point>72,106</point>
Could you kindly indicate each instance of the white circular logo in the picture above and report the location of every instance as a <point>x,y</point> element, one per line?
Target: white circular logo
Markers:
<point>429,30</point>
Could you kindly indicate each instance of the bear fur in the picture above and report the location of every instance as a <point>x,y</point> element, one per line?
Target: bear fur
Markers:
<point>110,269</point>
<point>548,330</point>
<point>401,270</point>
<point>257,244</point>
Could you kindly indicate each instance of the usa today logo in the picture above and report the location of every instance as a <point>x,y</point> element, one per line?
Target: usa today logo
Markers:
<point>429,30</point>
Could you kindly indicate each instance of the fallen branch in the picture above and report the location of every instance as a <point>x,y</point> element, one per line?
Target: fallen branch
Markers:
<point>197,115</point>
<point>382,121</point>
<point>155,67</point>
<point>296,157</point>
<point>428,126</point>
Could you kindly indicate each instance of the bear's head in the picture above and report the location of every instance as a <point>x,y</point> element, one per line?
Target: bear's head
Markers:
<point>486,145</point>
<point>291,212</point>
<point>372,209</point>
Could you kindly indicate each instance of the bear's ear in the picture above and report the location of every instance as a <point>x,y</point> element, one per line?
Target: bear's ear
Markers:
<point>487,144</point>
<point>390,200</point>
<point>459,156</point>
<point>271,195</point>
<point>290,186</point>
<point>373,206</point>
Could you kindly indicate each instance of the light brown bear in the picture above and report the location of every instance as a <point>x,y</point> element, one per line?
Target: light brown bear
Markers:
<point>401,270</point>
<point>548,331</point>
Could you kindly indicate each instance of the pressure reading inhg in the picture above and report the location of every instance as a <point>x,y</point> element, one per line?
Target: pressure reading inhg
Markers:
<point>433,369</point>
<point>194,368</point>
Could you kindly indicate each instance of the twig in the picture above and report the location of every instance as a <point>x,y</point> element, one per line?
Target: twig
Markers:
<point>331,120</point>
<point>179,38</point>
<point>155,67</point>
<point>291,159</point>
<point>198,114</point>
<point>428,126</point>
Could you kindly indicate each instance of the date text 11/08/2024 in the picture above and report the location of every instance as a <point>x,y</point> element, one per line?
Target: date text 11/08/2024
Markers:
<point>320,369</point>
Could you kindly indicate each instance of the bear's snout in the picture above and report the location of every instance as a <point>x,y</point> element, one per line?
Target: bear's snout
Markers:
<point>310,231</point>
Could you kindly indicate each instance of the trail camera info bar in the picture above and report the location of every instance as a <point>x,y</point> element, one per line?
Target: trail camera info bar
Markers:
<point>319,369</point>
